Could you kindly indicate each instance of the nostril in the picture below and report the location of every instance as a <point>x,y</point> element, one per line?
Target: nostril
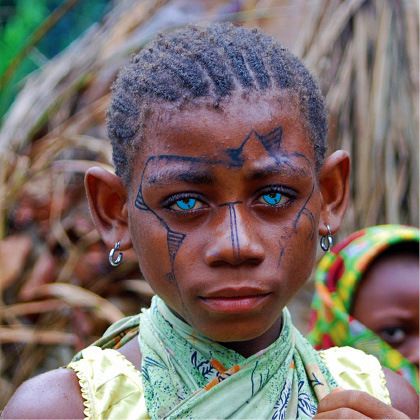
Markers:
<point>217,263</point>
<point>255,261</point>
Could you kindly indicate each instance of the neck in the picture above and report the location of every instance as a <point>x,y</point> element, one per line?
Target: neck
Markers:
<point>250,347</point>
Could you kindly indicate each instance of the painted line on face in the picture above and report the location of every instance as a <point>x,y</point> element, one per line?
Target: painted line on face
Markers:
<point>299,214</point>
<point>139,203</point>
<point>235,155</point>
<point>302,156</point>
<point>174,240</point>
<point>271,141</point>
<point>234,231</point>
<point>232,203</point>
<point>280,254</point>
<point>311,218</point>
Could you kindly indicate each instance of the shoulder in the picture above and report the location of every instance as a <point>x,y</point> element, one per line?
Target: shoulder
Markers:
<point>52,395</point>
<point>131,351</point>
<point>403,396</point>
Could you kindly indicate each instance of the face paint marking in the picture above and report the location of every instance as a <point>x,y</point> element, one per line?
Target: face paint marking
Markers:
<point>170,277</point>
<point>229,203</point>
<point>296,221</point>
<point>300,155</point>
<point>235,158</point>
<point>298,171</point>
<point>174,240</point>
<point>311,218</point>
<point>285,168</point>
<point>234,231</point>
<point>271,141</point>
<point>139,203</point>
<point>280,254</point>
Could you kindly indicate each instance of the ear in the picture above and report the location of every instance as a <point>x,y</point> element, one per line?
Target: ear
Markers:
<point>107,198</point>
<point>334,186</point>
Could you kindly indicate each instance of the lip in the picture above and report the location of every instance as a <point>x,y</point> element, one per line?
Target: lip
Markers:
<point>234,300</point>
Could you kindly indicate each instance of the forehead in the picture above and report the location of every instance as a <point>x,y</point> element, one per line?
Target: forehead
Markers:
<point>246,128</point>
<point>395,276</point>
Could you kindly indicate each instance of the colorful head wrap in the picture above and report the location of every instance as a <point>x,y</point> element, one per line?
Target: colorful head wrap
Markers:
<point>336,280</point>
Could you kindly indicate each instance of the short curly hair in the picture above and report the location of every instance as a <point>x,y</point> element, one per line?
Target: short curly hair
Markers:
<point>206,62</point>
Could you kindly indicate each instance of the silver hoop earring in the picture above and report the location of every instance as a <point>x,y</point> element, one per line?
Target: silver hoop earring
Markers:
<point>326,241</point>
<point>117,261</point>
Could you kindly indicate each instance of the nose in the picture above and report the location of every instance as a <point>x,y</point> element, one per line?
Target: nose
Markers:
<point>234,240</point>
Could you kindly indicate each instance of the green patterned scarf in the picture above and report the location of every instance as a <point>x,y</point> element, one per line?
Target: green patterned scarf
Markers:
<point>186,375</point>
<point>336,279</point>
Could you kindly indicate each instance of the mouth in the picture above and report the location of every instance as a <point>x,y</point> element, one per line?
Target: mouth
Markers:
<point>233,300</point>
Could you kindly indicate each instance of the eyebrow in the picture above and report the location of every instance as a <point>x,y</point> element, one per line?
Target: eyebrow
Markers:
<point>286,167</point>
<point>169,175</point>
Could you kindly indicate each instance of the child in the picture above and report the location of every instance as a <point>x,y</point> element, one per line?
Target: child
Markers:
<point>367,297</point>
<point>221,188</point>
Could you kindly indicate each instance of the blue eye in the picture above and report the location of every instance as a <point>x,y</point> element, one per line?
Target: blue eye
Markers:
<point>186,203</point>
<point>272,198</point>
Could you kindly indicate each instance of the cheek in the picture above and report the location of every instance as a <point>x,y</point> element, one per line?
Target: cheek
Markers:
<point>297,247</point>
<point>301,232</point>
<point>299,257</point>
<point>150,244</point>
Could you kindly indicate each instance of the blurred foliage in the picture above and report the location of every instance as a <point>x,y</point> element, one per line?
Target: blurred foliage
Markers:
<point>20,18</point>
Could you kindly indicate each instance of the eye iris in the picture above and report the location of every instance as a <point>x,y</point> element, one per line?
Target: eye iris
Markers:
<point>186,203</point>
<point>272,199</point>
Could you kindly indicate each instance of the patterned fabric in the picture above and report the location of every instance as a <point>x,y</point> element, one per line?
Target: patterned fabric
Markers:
<point>186,375</point>
<point>112,387</point>
<point>336,279</point>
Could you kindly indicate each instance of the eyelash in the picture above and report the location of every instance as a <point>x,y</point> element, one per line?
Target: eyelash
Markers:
<point>170,201</point>
<point>288,193</point>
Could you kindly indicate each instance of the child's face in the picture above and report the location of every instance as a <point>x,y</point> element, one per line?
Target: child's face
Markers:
<point>226,223</point>
<point>387,302</point>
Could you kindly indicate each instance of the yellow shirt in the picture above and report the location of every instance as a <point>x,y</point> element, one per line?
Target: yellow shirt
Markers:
<point>112,388</point>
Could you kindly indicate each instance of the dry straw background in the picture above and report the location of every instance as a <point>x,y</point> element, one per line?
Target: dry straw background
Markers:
<point>57,292</point>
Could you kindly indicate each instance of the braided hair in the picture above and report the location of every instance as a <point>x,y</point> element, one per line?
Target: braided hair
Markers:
<point>206,62</point>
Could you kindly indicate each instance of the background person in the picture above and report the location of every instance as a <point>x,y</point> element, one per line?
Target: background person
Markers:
<point>367,297</point>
